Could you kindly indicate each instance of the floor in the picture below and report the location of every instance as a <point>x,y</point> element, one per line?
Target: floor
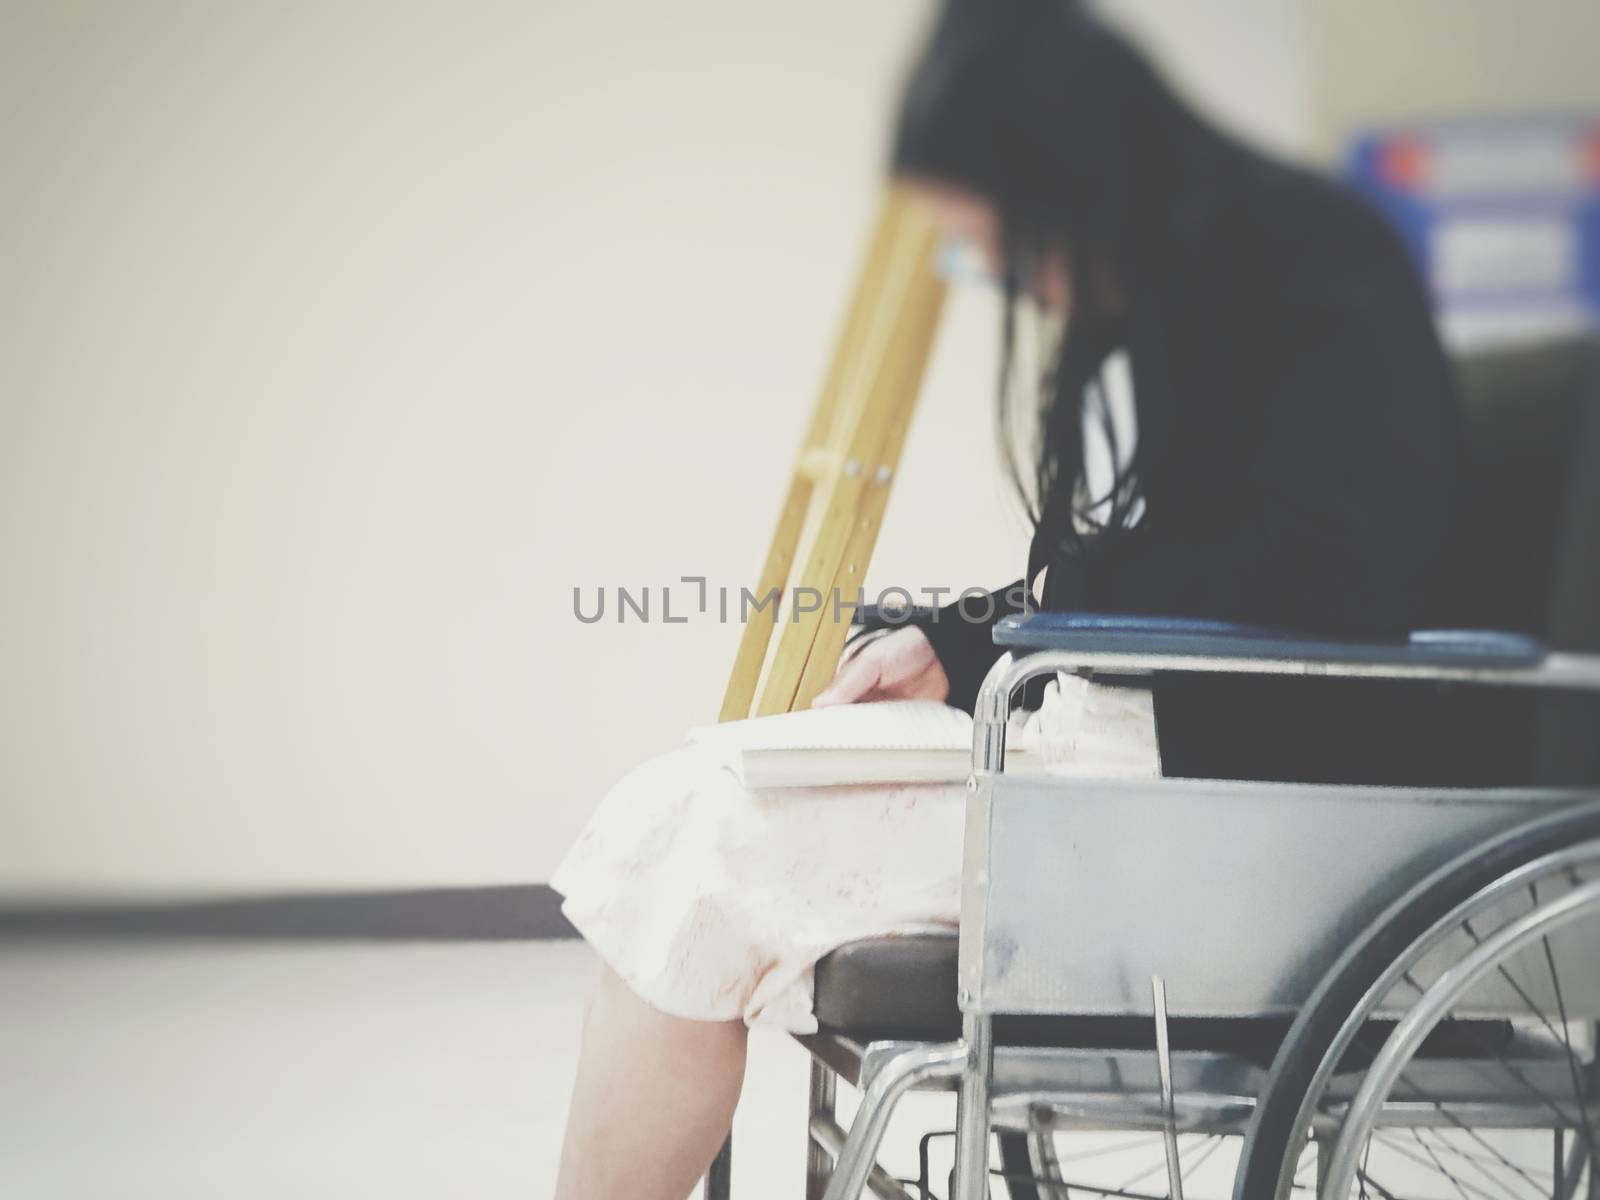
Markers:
<point>315,1071</point>
<point>196,1071</point>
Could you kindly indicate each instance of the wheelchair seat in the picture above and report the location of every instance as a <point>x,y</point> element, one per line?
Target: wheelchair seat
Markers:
<point>904,989</point>
<point>896,989</point>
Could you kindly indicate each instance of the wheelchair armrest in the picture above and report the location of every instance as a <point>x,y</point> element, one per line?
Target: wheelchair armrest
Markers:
<point>1165,637</point>
<point>1122,645</point>
<point>1119,645</point>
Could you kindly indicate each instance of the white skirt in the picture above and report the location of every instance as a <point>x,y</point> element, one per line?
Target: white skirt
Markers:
<point>714,901</point>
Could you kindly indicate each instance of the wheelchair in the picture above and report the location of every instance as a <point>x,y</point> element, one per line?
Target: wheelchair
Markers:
<point>1186,987</point>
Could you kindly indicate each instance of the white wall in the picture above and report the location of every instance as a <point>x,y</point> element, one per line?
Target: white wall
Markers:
<point>341,341</point>
<point>1386,60</point>
<point>1246,62</point>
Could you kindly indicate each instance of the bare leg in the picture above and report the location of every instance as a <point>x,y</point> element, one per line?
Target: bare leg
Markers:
<point>653,1102</point>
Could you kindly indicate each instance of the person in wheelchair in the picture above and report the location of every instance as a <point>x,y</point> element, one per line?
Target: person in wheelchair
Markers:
<point>1246,416</point>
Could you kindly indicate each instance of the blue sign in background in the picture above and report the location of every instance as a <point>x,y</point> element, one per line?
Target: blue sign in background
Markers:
<point>1502,216</point>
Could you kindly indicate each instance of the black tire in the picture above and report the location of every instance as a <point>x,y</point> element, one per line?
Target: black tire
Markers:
<point>1273,1132</point>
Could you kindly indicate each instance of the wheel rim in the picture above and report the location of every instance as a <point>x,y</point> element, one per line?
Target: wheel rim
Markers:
<point>1447,969</point>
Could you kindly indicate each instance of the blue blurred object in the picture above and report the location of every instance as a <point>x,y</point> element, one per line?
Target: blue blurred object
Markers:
<point>962,261</point>
<point>1502,216</point>
<point>1121,633</point>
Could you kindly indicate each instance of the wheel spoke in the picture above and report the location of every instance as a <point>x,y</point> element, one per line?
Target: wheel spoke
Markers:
<point>1443,1170</point>
<point>1471,1036</point>
<point>1578,1087</point>
<point>1100,1151</point>
<point>1522,994</point>
<point>1149,1171</point>
<point>1465,1156</point>
<point>1365,1178</point>
<point>1205,1152</point>
<point>1299,1182</point>
<point>1392,1144</point>
<point>1079,1186</point>
<point>1195,1151</point>
<point>1466,1030</point>
<point>1473,1134</point>
<point>1572,1171</point>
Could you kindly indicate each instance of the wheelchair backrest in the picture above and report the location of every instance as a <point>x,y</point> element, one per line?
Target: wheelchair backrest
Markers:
<point>1528,557</point>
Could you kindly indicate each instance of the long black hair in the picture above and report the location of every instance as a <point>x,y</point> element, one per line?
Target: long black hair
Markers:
<point>1043,111</point>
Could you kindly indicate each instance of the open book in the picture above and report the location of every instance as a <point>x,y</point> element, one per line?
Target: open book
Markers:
<point>891,741</point>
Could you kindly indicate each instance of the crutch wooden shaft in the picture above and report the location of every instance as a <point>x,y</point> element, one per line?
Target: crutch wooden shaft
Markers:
<point>909,365</point>
<point>811,467</point>
<point>878,396</point>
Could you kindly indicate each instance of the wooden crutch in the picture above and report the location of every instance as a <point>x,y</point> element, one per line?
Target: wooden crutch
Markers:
<point>845,468</point>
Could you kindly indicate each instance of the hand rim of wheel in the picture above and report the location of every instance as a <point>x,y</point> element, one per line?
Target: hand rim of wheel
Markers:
<point>1587,851</point>
<point>1429,1010</point>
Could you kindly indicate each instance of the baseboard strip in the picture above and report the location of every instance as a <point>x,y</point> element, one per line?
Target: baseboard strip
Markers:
<point>514,912</point>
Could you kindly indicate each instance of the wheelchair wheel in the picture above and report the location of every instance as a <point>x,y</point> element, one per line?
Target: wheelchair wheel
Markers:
<point>1452,1053</point>
<point>1129,1165</point>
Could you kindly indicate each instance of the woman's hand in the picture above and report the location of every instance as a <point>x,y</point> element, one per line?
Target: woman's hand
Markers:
<point>898,666</point>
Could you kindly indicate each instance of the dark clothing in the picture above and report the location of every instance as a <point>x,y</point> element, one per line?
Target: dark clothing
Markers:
<point>1297,450</point>
<point>1297,436</point>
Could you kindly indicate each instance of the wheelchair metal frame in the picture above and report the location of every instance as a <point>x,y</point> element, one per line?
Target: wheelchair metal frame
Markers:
<point>1030,1089</point>
<point>975,1097</point>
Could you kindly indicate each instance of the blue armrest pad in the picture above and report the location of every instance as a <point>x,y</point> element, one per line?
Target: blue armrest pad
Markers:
<point>1115,634</point>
